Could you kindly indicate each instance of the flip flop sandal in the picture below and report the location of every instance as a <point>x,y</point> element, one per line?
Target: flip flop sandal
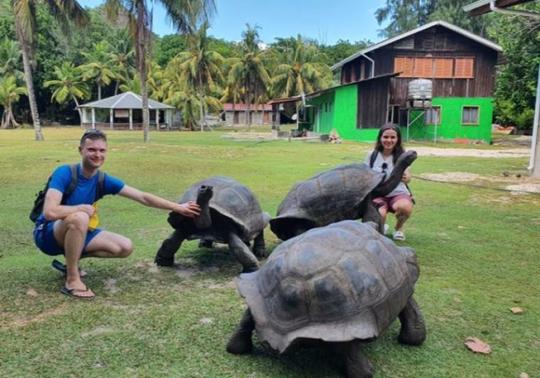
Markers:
<point>76,293</point>
<point>62,268</point>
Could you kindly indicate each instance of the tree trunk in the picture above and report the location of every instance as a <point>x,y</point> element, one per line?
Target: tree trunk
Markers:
<point>201,112</point>
<point>141,57</point>
<point>99,91</point>
<point>78,109</point>
<point>30,88</point>
<point>117,85</point>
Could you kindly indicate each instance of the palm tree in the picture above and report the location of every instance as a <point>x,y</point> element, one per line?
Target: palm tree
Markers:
<point>200,69</point>
<point>185,16</point>
<point>122,59</point>
<point>25,27</point>
<point>99,66</point>
<point>249,72</point>
<point>68,84</point>
<point>10,59</point>
<point>10,93</point>
<point>300,73</point>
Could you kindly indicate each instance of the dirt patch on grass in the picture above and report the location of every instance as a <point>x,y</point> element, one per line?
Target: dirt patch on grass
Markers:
<point>41,317</point>
<point>472,152</point>
<point>517,184</point>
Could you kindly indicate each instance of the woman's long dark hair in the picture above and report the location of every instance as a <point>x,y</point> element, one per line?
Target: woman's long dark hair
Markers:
<point>398,149</point>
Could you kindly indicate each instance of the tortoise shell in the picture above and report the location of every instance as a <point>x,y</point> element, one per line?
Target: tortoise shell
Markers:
<point>336,283</point>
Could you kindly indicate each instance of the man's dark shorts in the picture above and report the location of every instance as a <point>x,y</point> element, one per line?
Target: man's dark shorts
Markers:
<point>45,241</point>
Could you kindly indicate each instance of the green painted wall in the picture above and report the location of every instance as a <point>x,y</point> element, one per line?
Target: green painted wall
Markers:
<point>341,114</point>
<point>338,110</point>
<point>451,126</point>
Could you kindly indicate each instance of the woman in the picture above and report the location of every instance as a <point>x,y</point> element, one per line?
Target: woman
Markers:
<point>388,148</point>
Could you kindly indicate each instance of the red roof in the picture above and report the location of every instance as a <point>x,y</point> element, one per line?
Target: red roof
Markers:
<point>242,107</point>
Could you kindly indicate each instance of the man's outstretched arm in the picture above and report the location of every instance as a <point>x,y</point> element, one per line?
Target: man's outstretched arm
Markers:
<point>188,209</point>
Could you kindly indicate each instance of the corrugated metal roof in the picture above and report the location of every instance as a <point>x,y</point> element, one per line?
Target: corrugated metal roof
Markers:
<point>447,25</point>
<point>127,100</point>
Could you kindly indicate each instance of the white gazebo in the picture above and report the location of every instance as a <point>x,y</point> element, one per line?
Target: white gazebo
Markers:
<point>125,112</point>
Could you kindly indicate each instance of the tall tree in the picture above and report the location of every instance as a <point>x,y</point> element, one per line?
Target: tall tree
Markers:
<point>249,71</point>
<point>301,71</point>
<point>404,15</point>
<point>185,15</point>
<point>200,69</point>
<point>122,59</point>
<point>517,77</point>
<point>10,59</point>
<point>68,85</point>
<point>99,66</point>
<point>25,25</point>
<point>10,93</point>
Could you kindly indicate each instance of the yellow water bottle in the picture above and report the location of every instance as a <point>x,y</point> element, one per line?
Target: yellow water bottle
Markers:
<point>93,223</point>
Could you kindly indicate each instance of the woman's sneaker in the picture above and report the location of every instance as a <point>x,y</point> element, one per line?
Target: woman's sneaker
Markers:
<point>399,235</point>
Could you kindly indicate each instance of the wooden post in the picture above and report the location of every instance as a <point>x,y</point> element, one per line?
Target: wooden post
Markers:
<point>157,119</point>
<point>131,119</point>
<point>111,118</point>
<point>93,118</point>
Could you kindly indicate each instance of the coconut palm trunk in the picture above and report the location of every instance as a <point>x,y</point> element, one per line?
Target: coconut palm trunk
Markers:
<point>141,41</point>
<point>28,78</point>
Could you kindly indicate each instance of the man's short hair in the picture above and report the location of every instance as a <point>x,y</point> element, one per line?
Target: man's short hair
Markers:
<point>93,134</point>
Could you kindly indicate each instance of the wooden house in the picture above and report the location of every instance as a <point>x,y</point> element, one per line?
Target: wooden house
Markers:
<point>376,83</point>
<point>235,114</point>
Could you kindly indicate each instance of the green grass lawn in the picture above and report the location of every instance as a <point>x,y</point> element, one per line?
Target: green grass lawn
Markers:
<point>478,251</point>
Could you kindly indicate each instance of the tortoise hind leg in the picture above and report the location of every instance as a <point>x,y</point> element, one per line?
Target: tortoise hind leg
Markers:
<point>357,364</point>
<point>413,327</point>
<point>165,254</point>
<point>242,253</point>
<point>240,342</point>
<point>259,246</point>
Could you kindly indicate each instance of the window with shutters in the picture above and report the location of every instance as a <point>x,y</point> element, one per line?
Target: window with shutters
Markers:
<point>423,67</point>
<point>464,68</point>
<point>438,68</point>
<point>470,115</point>
<point>433,116</point>
<point>442,68</point>
<point>404,65</point>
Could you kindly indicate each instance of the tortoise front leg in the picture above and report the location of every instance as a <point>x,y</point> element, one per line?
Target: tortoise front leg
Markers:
<point>413,327</point>
<point>259,246</point>
<point>242,253</point>
<point>357,364</point>
<point>165,254</point>
<point>240,342</point>
<point>371,214</point>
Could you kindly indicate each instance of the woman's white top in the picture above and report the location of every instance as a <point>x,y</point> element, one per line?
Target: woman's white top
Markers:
<point>378,165</point>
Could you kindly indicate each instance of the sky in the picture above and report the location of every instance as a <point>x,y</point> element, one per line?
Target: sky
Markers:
<point>322,20</point>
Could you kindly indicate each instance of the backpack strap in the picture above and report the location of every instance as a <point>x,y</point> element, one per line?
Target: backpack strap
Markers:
<point>100,191</point>
<point>372,158</point>
<point>72,183</point>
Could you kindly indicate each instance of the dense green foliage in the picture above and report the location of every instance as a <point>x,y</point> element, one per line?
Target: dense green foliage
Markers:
<point>103,51</point>
<point>477,250</point>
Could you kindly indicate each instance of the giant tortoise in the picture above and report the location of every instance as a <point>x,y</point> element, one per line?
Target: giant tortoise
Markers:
<point>341,284</point>
<point>341,193</point>
<point>230,214</point>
